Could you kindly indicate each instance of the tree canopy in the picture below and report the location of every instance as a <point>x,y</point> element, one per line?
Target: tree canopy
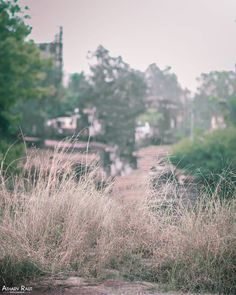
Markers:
<point>118,94</point>
<point>20,64</point>
<point>216,96</point>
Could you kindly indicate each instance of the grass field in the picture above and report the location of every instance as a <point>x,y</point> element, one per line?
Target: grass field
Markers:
<point>51,223</point>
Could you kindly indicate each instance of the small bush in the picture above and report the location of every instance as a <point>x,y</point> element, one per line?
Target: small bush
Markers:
<point>211,159</point>
<point>200,272</point>
<point>9,157</point>
<point>14,271</point>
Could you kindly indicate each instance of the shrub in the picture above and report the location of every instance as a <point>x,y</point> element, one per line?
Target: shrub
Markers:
<point>10,156</point>
<point>201,258</point>
<point>211,158</point>
<point>14,271</point>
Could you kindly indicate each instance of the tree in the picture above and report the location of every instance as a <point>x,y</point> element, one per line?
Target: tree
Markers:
<point>21,76</point>
<point>166,96</point>
<point>151,116</point>
<point>162,84</point>
<point>215,97</point>
<point>231,111</point>
<point>20,64</point>
<point>78,97</point>
<point>117,92</point>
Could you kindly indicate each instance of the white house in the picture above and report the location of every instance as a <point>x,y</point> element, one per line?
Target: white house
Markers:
<point>143,131</point>
<point>65,124</point>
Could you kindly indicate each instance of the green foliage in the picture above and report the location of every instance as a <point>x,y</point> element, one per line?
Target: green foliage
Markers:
<point>215,97</point>
<point>10,156</point>
<point>231,111</point>
<point>78,96</point>
<point>20,63</point>
<point>162,84</point>
<point>76,88</point>
<point>211,158</point>
<point>117,92</point>
<point>208,273</point>
<point>152,116</point>
<point>14,272</point>
<point>164,97</point>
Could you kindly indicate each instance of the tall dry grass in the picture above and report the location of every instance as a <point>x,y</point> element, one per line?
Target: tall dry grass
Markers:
<point>51,222</point>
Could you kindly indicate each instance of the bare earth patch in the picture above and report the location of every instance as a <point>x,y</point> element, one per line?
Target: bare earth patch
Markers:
<point>80,286</point>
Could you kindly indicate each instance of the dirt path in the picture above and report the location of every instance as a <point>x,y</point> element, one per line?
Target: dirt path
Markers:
<point>79,286</point>
<point>133,186</point>
<point>130,187</point>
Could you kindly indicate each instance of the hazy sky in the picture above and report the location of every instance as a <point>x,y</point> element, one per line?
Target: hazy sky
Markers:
<point>191,36</point>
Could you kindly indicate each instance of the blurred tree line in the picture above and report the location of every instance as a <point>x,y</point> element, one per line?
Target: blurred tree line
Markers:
<point>22,71</point>
<point>122,98</point>
<point>215,99</point>
<point>22,74</point>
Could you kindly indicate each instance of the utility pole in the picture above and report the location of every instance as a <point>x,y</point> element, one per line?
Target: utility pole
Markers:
<point>61,50</point>
<point>192,120</point>
<point>59,53</point>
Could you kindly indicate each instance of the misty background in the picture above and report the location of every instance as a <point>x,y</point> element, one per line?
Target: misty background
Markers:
<point>122,75</point>
<point>190,36</point>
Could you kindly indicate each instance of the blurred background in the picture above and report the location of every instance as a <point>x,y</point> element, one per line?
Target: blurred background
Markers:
<point>122,75</point>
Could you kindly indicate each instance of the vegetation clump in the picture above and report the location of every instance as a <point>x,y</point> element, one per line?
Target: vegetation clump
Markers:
<point>59,224</point>
<point>211,158</point>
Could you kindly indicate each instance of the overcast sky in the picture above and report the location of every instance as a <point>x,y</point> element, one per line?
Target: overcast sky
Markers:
<point>191,36</point>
